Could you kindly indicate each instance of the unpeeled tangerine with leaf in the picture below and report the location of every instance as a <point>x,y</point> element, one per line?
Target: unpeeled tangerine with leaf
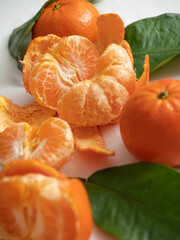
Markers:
<point>149,123</point>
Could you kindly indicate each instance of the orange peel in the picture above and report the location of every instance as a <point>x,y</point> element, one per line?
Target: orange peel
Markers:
<point>110,30</point>
<point>32,113</point>
<point>41,203</point>
<point>144,79</point>
<point>90,139</point>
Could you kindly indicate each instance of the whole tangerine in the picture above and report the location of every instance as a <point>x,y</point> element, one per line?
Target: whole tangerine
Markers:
<point>68,17</point>
<point>150,125</point>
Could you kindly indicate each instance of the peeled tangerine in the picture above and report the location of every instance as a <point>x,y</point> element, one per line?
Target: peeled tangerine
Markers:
<point>39,203</point>
<point>51,142</point>
<point>88,84</point>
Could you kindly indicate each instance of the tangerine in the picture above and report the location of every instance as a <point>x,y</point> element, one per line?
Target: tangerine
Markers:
<point>68,17</point>
<point>40,203</point>
<point>51,142</point>
<point>150,125</point>
<point>100,100</point>
<point>63,65</point>
<point>86,89</point>
<point>36,48</point>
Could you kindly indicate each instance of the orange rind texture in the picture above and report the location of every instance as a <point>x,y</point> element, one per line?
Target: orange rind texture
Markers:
<point>144,79</point>
<point>110,30</point>
<point>66,18</point>
<point>52,142</point>
<point>35,206</point>
<point>90,139</point>
<point>32,113</point>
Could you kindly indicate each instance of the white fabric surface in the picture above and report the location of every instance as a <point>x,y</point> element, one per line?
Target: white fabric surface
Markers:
<point>16,12</point>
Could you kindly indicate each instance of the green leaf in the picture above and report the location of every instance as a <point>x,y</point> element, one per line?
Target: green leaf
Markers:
<point>139,201</point>
<point>21,36</point>
<point>159,37</point>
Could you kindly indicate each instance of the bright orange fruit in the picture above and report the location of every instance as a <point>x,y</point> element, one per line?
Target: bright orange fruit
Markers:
<point>150,125</point>
<point>68,17</point>
<point>34,114</point>
<point>85,88</point>
<point>100,101</point>
<point>40,204</point>
<point>68,62</point>
<point>116,62</point>
<point>36,49</point>
<point>51,142</point>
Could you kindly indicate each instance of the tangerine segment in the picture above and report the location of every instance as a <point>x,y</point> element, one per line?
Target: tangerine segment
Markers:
<point>37,207</point>
<point>13,142</point>
<point>49,80</point>
<point>36,48</point>
<point>113,55</point>
<point>144,79</point>
<point>93,103</point>
<point>56,142</point>
<point>32,113</point>
<point>110,30</point>
<point>51,142</point>
<point>116,62</point>
<point>81,53</point>
<point>4,117</point>
<point>90,139</point>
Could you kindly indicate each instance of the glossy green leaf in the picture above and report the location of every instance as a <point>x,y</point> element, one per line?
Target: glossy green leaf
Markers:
<point>159,37</point>
<point>21,36</point>
<point>139,201</point>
